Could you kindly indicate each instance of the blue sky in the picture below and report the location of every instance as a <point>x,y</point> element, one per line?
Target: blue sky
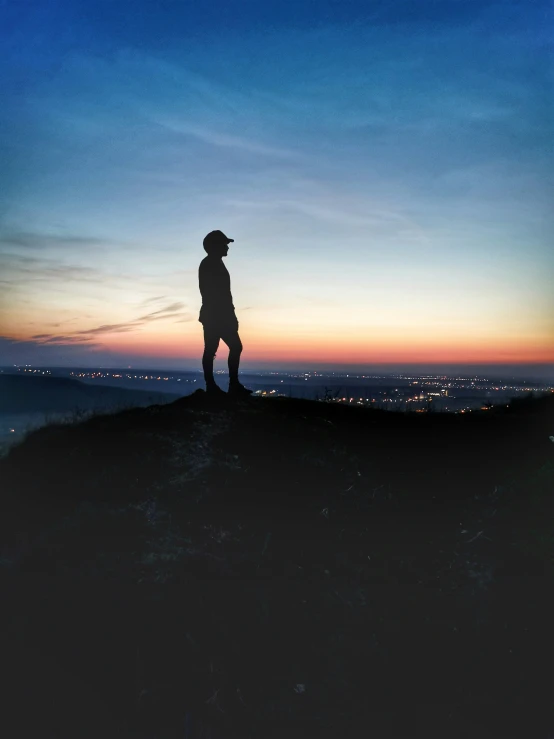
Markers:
<point>385,169</point>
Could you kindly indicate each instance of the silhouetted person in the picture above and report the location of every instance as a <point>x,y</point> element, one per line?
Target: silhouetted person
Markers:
<point>217,314</point>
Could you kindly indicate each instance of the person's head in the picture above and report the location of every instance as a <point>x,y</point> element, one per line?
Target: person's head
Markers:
<point>216,244</point>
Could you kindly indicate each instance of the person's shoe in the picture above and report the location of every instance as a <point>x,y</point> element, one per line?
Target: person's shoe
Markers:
<point>239,391</point>
<point>214,391</point>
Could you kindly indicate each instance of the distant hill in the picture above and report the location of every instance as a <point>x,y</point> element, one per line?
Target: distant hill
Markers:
<point>20,394</point>
<point>277,568</point>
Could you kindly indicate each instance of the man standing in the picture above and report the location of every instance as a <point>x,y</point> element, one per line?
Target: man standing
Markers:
<point>217,314</point>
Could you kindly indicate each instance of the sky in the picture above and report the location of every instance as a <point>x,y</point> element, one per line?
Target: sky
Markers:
<point>385,169</point>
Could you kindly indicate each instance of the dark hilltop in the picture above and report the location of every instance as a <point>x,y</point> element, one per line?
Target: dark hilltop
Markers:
<point>275,568</point>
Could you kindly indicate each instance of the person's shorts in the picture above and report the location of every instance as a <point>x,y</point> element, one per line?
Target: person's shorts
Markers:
<point>226,331</point>
<point>221,326</point>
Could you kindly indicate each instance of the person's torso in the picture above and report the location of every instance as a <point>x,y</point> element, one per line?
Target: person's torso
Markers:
<point>215,288</point>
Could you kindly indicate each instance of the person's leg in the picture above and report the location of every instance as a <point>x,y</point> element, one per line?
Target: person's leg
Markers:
<point>211,344</point>
<point>232,339</point>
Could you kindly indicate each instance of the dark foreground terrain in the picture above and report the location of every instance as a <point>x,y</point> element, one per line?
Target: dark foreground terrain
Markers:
<point>280,569</point>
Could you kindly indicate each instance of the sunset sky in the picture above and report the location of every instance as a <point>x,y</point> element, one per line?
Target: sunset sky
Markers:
<point>385,169</point>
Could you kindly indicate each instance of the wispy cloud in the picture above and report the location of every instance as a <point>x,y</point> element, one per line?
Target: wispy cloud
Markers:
<point>148,301</point>
<point>66,340</point>
<point>163,312</point>
<point>35,240</point>
<point>232,141</point>
<point>13,349</point>
<point>351,214</point>
<point>109,328</point>
<point>25,268</point>
<point>172,311</point>
<point>166,315</point>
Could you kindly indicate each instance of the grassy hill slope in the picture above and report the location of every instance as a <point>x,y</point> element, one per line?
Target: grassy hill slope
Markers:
<point>281,568</point>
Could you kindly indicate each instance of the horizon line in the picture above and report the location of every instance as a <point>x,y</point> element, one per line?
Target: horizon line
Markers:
<point>546,370</point>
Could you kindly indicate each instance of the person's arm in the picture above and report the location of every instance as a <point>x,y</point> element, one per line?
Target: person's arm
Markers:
<point>215,288</point>
<point>207,284</point>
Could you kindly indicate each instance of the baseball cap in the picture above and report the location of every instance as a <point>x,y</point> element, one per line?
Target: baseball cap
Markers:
<point>216,237</point>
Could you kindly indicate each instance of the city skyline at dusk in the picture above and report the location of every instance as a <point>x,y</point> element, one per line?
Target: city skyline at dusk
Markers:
<point>384,170</point>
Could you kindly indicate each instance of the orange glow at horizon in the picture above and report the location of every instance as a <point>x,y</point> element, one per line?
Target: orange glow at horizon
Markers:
<point>321,339</point>
<point>341,350</point>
